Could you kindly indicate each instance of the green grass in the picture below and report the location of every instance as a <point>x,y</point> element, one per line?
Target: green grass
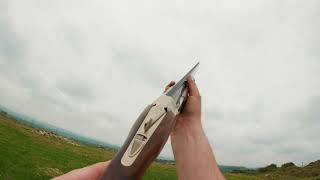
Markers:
<point>237,176</point>
<point>27,154</point>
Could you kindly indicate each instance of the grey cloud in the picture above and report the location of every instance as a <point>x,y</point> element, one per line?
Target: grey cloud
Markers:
<point>72,35</point>
<point>136,61</point>
<point>109,117</point>
<point>288,150</point>
<point>307,119</point>
<point>269,140</point>
<point>76,89</point>
<point>311,113</point>
<point>213,114</point>
<point>10,46</point>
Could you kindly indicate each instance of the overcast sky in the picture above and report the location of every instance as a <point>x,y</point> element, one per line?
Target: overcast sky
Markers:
<point>92,66</point>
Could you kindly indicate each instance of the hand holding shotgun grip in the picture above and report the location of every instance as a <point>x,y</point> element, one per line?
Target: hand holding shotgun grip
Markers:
<point>148,134</point>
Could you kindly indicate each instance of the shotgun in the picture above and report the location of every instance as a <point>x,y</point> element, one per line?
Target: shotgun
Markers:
<point>149,133</point>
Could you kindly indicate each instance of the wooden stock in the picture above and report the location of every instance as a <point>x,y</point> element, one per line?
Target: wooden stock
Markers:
<point>116,171</point>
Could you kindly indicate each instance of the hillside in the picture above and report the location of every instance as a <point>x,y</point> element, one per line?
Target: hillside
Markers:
<point>291,171</point>
<point>28,153</point>
<point>31,153</point>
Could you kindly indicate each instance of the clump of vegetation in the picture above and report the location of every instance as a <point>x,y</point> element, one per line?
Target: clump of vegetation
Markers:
<point>290,168</point>
<point>269,168</point>
<point>291,171</point>
<point>312,169</point>
<point>3,113</point>
<point>288,165</point>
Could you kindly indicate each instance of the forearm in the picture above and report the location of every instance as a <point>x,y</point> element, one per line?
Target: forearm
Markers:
<point>194,157</point>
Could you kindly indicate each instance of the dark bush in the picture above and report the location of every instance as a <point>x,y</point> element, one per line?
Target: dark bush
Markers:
<point>269,168</point>
<point>287,165</point>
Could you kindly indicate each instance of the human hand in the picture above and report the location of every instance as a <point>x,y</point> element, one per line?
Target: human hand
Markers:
<point>188,122</point>
<point>191,149</point>
<point>93,172</point>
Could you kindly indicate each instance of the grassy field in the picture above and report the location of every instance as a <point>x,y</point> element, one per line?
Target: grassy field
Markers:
<point>27,153</point>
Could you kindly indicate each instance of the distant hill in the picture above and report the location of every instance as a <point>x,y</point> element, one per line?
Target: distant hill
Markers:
<point>234,169</point>
<point>30,121</point>
<point>311,171</point>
